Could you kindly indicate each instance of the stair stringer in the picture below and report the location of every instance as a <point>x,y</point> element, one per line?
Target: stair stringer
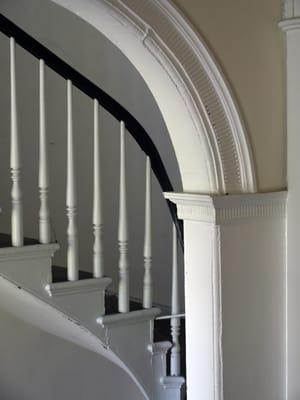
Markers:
<point>25,272</point>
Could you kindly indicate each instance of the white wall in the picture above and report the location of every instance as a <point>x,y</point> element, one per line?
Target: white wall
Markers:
<point>35,365</point>
<point>93,55</point>
<point>253,307</point>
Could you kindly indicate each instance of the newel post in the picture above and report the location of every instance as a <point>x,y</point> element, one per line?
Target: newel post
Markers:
<point>234,295</point>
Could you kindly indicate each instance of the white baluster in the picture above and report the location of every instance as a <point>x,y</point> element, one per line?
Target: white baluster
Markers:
<point>71,203</point>
<point>97,203</point>
<point>123,231</point>
<point>17,236</point>
<point>175,322</point>
<point>44,213</point>
<point>147,295</point>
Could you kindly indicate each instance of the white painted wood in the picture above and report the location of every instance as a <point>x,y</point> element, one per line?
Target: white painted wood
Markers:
<point>15,157</point>
<point>228,260</point>
<point>147,289</point>
<point>71,195</point>
<point>123,230</point>
<point>98,262</point>
<point>45,314</point>
<point>175,322</point>
<point>292,28</point>
<point>156,38</point>
<point>44,212</point>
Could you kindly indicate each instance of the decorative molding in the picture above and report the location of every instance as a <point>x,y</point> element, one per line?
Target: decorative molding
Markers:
<point>228,209</point>
<point>168,37</point>
<point>28,252</point>
<point>287,25</point>
<point>76,287</point>
<point>133,317</point>
<point>160,348</point>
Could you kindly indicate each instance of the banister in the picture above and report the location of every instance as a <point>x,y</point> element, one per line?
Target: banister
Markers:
<point>93,91</point>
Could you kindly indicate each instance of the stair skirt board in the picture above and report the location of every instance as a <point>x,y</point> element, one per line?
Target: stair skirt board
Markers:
<point>37,312</point>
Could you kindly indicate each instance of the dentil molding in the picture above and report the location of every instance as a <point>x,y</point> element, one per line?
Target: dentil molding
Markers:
<point>228,209</point>
<point>169,38</point>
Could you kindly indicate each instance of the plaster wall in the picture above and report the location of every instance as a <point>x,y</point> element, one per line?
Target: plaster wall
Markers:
<point>36,365</point>
<point>253,308</point>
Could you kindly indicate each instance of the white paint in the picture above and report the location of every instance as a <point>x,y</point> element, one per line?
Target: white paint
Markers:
<point>147,289</point>
<point>71,196</point>
<point>123,230</point>
<point>234,295</point>
<point>292,28</point>
<point>98,261</point>
<point>25,275</point>
<point>156,38</point>
<point>175,322</point>
<point>15,157</point>
<point>61,370</point>
<point>44,212</point>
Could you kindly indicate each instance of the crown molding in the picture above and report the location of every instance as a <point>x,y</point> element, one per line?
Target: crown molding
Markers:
<point>228,209</point>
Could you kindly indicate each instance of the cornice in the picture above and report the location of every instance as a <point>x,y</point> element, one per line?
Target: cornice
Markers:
<point>228,209</point>
<point>290,24</point>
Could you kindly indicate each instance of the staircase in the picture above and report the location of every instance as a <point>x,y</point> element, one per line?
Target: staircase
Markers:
<point>66,301</point>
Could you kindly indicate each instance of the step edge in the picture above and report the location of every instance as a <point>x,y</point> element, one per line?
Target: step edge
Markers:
<point>131,317</point>
<point>76,287</point>
<point>28,252</point>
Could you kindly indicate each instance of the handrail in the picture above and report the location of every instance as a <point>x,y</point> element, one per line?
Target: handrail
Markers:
<point>170,316</point>
<point>93,91</point>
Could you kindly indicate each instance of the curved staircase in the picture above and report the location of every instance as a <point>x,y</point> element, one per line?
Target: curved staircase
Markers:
<point>73,304</point>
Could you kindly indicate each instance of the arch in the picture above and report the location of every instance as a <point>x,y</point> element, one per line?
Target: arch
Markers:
<point>203,120</point>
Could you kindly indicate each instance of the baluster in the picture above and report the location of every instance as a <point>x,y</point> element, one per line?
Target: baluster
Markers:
<point>123,231</point>
<point>97,204</point>
<point>44,213</point>
<point>175,322</point>
<point>71,198</point>
<point>17,237</point>
<point>147,296</point>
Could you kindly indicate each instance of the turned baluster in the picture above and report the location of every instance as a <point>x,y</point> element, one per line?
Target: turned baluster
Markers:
<point>71,195</point>
<point>98,266</point>
<point>147,291</point>
<point>123,231</point>
<point>175,322</point>
<point>17,236</point>
<point>44,212</point>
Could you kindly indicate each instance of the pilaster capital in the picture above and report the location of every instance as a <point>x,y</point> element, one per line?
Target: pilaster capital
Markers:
<point>228,209</point>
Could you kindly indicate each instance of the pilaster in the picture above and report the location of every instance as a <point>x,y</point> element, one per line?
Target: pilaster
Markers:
<point>290,25</point>
<point>235,294</point>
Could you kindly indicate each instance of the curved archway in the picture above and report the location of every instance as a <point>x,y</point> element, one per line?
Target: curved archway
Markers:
<point>203,120</point>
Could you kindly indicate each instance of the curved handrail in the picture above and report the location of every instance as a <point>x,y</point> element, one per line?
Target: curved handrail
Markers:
<point>93,91</point>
